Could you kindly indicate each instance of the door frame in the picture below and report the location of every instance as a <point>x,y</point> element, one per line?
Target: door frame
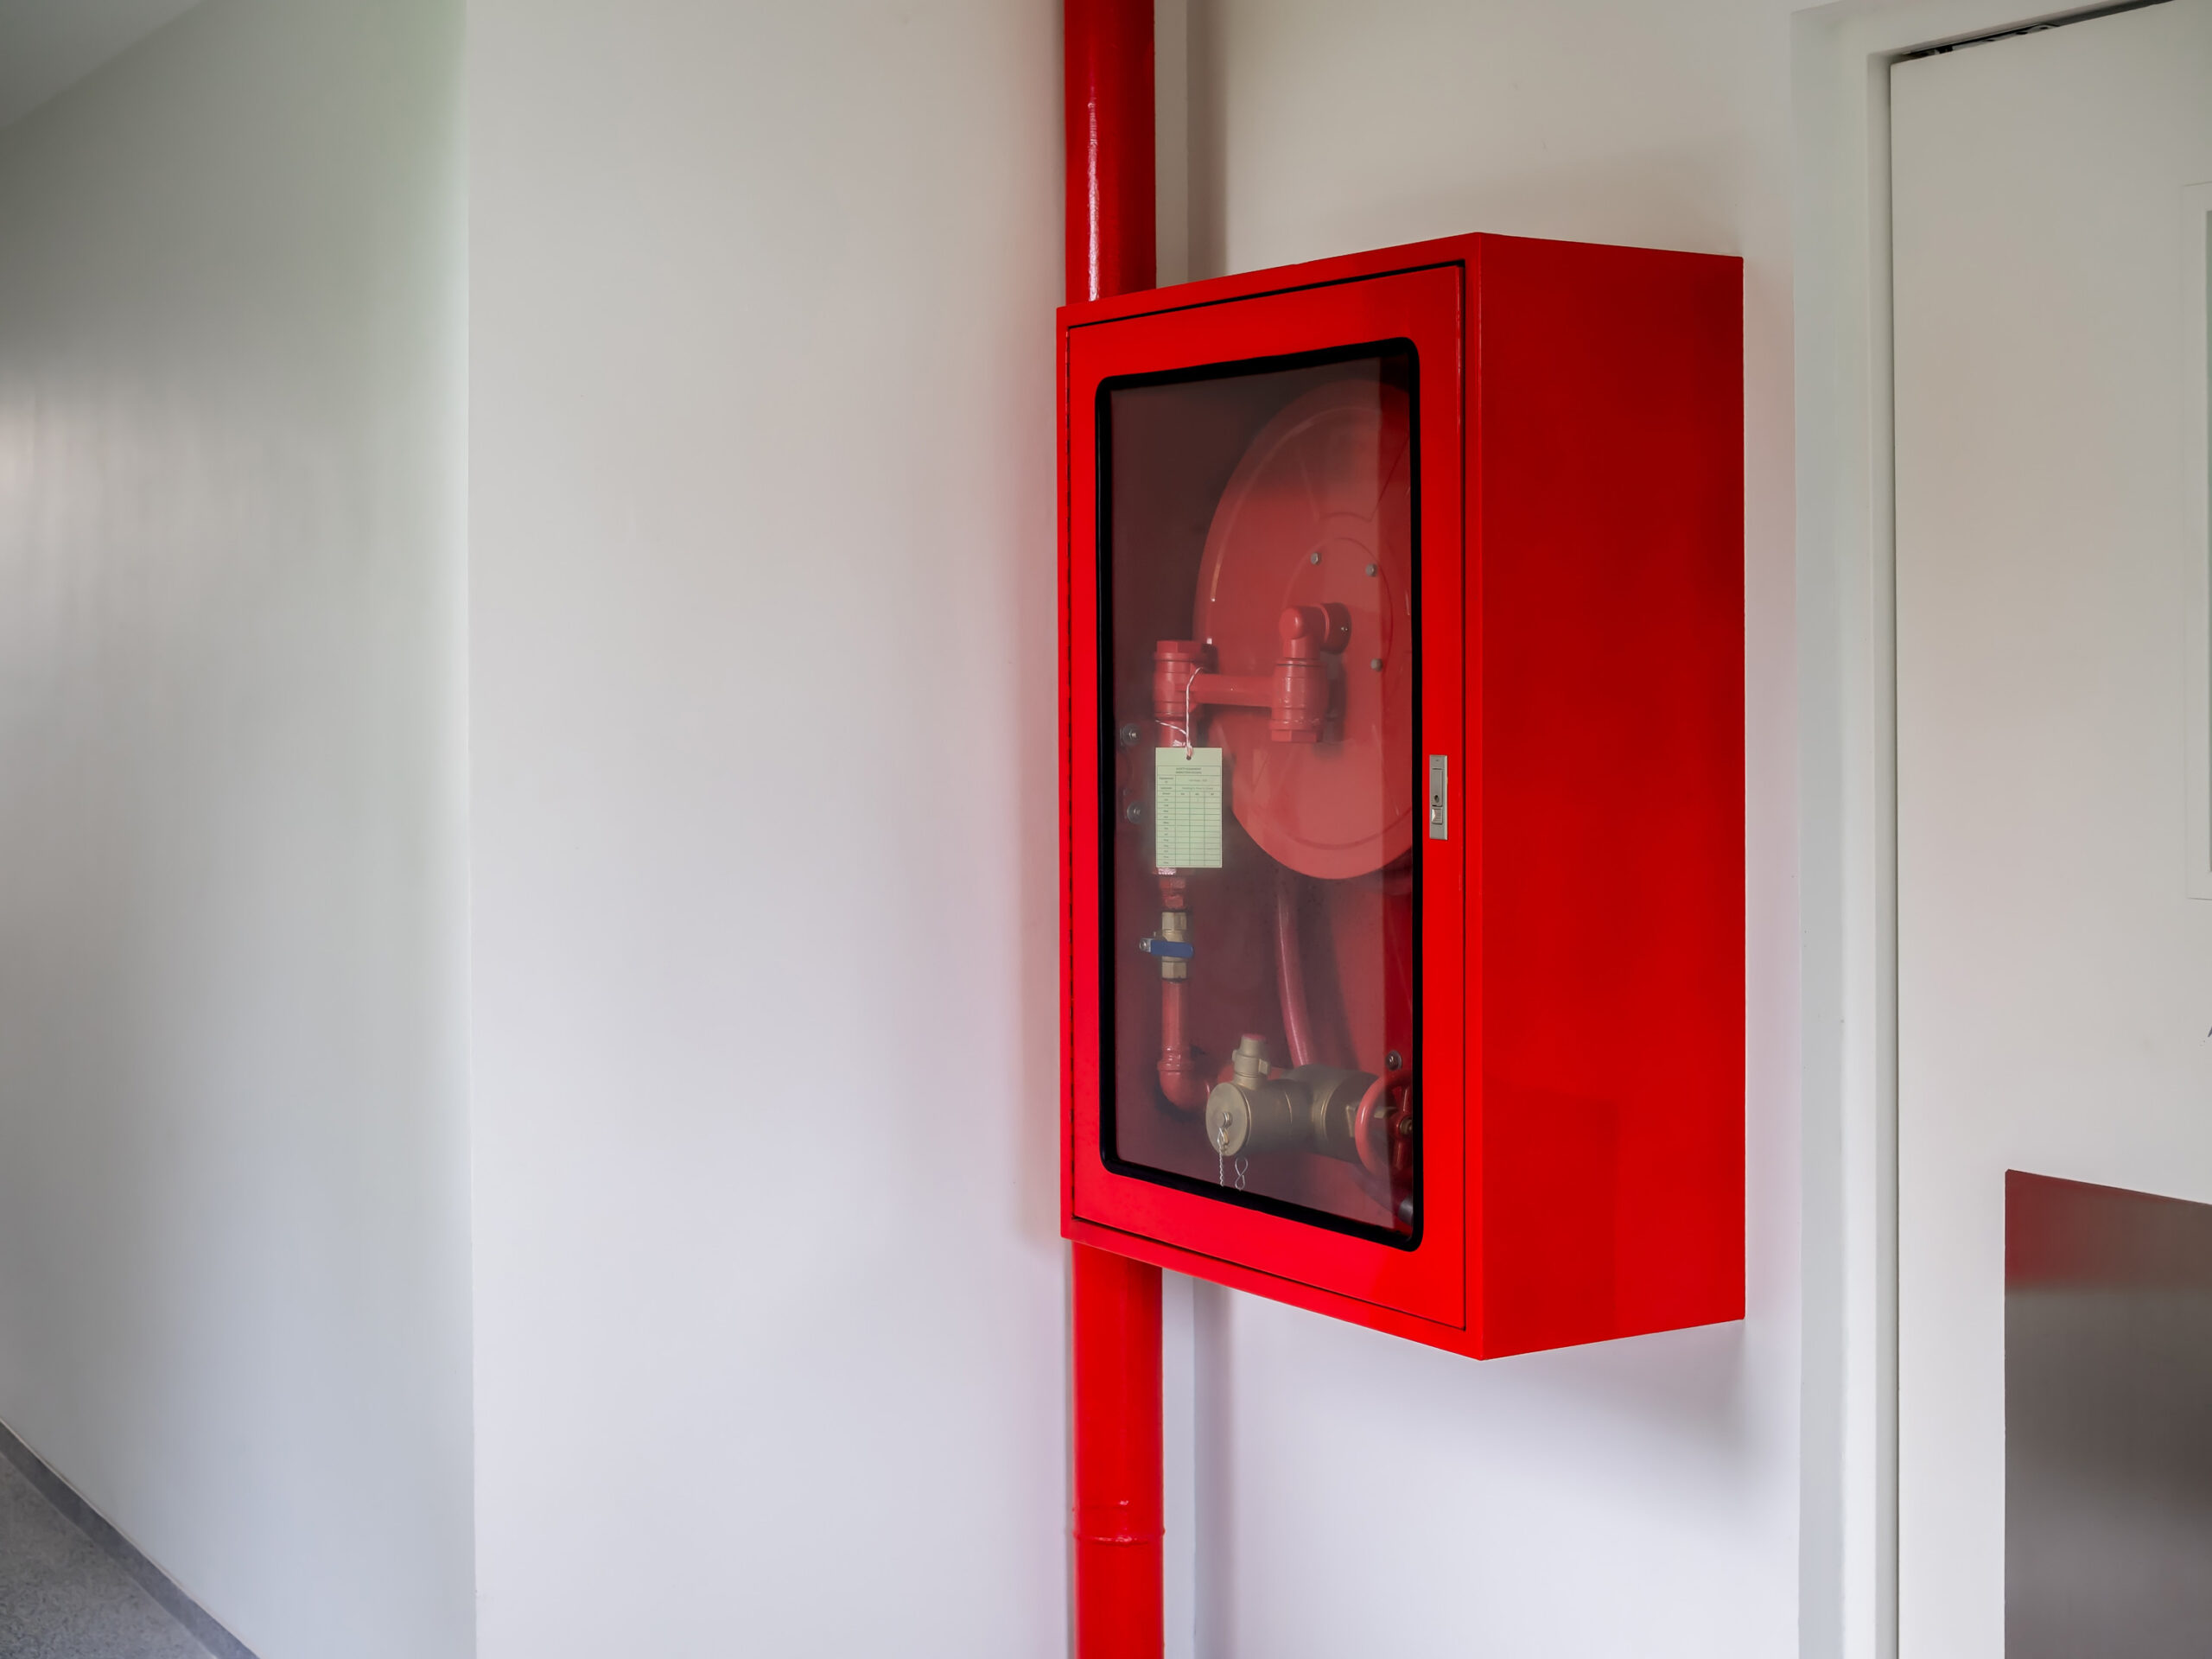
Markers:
<point>1841,54</point>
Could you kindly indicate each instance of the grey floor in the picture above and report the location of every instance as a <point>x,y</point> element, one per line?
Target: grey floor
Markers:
<point>61,1597</point>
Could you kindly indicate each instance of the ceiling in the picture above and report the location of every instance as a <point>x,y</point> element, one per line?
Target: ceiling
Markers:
<point>47,46</point>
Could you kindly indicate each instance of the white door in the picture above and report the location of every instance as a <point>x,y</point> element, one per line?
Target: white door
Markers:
<point>2055,974</point>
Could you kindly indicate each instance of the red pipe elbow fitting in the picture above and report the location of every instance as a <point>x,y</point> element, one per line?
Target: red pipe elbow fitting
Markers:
<point>1301,688</point>
<point>1180,1077</point>
<point>1178,667</point>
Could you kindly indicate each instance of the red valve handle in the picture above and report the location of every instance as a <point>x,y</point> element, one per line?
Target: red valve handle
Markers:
<point>1369,1119</point>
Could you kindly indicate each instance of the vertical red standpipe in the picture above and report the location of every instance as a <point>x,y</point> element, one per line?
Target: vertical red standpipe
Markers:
<point>1113,243</point>
<point>1118,1503</point>
<point>1116,1509</point>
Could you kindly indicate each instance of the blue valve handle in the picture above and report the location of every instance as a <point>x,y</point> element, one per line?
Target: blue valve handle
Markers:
<point>1179,949</point>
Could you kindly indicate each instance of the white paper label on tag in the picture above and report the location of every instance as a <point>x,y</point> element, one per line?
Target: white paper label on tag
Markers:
<point>1187,806</point>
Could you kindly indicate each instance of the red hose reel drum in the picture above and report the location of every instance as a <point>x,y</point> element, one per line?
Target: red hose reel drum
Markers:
<point>1302,522</point>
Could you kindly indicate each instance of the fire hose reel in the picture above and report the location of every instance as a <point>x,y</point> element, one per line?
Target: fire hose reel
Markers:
<point>1403,722</point>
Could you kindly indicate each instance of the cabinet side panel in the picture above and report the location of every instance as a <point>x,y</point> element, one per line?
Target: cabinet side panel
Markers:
<point>1611,538</point>
<point>1064,776</point>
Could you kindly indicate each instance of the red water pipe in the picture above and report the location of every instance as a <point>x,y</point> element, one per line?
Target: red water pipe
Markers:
<point>1182,1080</point>
<point>1297,694</point>
<point>1112,238</point>
<point>1117,1498</point>
<point>1115,1512</point>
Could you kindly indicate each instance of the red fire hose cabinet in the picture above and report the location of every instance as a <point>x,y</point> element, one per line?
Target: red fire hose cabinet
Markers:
<point>1403,790</point>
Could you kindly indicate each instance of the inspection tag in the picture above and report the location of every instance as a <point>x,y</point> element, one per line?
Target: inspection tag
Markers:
<point>1186,808</point>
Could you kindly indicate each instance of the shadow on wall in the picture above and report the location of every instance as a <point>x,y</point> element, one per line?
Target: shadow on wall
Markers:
<point>1213,1424</point>
<point>1207,188</point>
<point>1276,1386</point>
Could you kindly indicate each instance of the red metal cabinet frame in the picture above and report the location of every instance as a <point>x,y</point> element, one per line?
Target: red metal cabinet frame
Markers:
<point>1579,495</point>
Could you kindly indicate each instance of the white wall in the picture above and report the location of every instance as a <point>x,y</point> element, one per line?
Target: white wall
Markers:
<point>1635,1497</point>
<point>234,1236</point>
<point>770,1307</point>
<point>769,1315</point>
<point>769,1288</point>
